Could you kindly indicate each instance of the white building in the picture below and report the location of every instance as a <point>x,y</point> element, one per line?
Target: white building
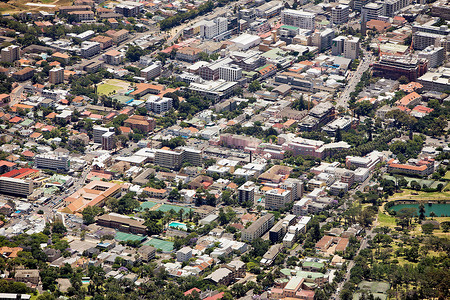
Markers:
<point>372,11</point>
<point>99,131</point>
<point>298,18</point>
<point>14,186</point>
<point>277,198</point>
<point>52,162</point>
<point>351,47</point>
<point>246,41</point>
<point>158,104</point>
<point>435,55</point>
<point>213,28</point>
<point>230,72</point>
<point>184,254</point>
<point>89,49</point>
<point>247,192</point>
<point>151,71</point>
<point>339,14</point>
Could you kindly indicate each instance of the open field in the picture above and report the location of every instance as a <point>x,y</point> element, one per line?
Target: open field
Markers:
<point>112,86</point>
<point>15,6</point>
<point>385,220</point>
<point>408,194</point>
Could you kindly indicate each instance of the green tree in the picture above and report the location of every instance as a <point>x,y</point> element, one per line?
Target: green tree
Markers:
<point>254,86</point>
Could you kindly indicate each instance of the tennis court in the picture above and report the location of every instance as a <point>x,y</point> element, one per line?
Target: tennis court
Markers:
<point>167,207</point>
<point>122,236</point>
<point>147,204</point>
<point>165,246</point>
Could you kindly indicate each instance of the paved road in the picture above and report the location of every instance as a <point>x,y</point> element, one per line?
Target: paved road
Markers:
<point>364,65</point>
<point>351,264</point>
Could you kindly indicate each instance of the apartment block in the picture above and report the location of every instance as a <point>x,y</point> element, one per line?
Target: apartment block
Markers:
<point>113,57</point>
<point>158,104</point>
<point>10,54</point>
<point>372,11</point>
<point>247,192</point>
<point>83,15</point>
<point>184,254</point>
<point>277,198</point>
<point>52,162</point>
<point>258,228</point>
<point>108,141</point>
<point>89,49</point>
<point>104,41</point>
<point>118,36</point>
<point>98,132</point>
<point>24,74</point>
<point>351,47</point>
<point>189,54</point>
<point>151,71</point>
<point>56,76</point>
<point>174,159</point>
<point>298,18</point>
<point>339,14</point>
<point>15,186</point>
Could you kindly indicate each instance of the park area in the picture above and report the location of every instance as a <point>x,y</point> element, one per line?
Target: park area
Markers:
<point>14,6</point>
<point>377,288</point>
<point>112,86</point>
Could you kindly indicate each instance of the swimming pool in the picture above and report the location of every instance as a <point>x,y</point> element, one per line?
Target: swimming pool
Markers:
<point>177,225</point>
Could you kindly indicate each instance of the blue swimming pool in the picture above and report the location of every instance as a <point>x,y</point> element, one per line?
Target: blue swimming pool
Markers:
<point>177,225</point>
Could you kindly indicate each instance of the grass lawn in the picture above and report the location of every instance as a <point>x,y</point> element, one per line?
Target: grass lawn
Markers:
<point>112,86</point>
<point>106,89</point>
<point>447,176</point>
<point>386,220</point>
<point>408,194</point>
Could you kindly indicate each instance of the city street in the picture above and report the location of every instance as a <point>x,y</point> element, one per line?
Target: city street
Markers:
<point>363,66</point>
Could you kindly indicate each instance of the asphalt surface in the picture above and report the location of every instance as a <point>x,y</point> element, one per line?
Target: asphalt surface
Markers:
<point>363,66</point>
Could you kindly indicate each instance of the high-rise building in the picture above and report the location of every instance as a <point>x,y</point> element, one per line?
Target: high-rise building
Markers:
<point>108,140</point>
<point>434,55</point>
<point>158,104</point>
<point>213,28</point>
<point>174,159</point>
<point>372,11</point>
<point>277,198</point>
<point>351,47</point>
<point>391,7</point>
<point>337,45</point>
<point>295,186</point>
<point>247,192</point>
<point>56,75</point>
<point>151,71</point>
<point>230,72</point>
<point>298,18</point>
<point>339,14</point>
<point>10,54</point>
<point>258,228</point>
<point>359,4</point>
<point>323,39</point>
<point>99,131</point>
